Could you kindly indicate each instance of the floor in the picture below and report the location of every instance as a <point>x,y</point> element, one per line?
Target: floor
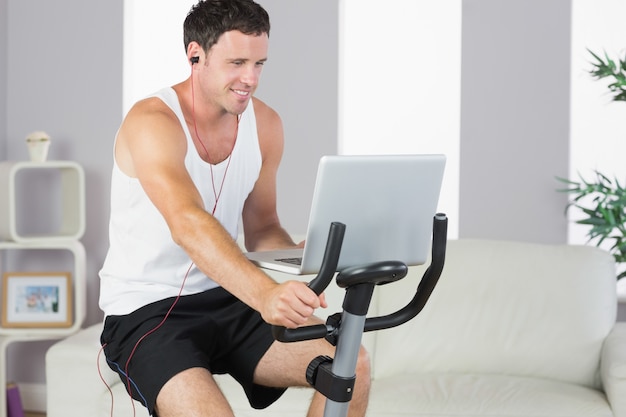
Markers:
<point>30,414</point>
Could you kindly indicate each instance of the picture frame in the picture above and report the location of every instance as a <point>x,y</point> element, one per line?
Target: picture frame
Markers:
<point>36,299</point>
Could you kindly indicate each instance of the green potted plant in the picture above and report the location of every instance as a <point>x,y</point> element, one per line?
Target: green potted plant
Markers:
<point>601,200</point>
<point>612,70</point>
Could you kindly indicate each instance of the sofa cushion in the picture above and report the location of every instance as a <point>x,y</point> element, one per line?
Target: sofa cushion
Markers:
<point>544,314</point>
<point>483,395</point>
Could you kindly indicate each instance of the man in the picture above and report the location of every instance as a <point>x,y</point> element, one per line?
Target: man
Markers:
<point>180,299</point>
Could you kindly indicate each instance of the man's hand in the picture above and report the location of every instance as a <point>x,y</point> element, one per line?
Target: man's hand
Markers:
<point>291,304</point>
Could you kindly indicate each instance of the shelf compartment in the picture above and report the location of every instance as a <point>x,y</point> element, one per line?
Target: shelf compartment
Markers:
<point>29,213</point>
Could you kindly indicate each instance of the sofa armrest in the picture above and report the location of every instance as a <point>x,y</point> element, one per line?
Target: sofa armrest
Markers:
<point>73,383</point>
<point>613,369</point>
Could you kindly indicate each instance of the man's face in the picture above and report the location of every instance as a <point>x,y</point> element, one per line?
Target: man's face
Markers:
<point>233,69</point>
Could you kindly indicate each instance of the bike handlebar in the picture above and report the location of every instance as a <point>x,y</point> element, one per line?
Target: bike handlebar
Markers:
<point>426,286</point>
<point>329,267</point>
<point>318,285</point>
<point>330,258</point>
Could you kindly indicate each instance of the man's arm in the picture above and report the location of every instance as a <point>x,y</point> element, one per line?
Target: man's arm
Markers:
<point>261,225</point>
<point>152,146</point>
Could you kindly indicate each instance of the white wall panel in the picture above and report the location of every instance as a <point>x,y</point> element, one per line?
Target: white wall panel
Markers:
<point>154,52</point>
<point>598,131</point>
<point>399,83</point>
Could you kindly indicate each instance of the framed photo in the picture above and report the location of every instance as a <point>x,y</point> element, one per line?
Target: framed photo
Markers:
<point>36,299</point>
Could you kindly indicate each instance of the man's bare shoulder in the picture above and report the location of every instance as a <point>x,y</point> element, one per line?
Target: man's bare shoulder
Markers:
<point>150,108</point>
<point>150,132</point>
<point>269,129</point>
<point>264,113</point>
<point>150,117</point>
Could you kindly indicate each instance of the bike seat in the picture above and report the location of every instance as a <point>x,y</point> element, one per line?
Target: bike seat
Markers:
<point>378,273</point>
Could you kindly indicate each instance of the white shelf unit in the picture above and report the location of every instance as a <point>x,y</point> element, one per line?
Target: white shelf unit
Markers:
<point>71,224</point>
<point>71,227</point>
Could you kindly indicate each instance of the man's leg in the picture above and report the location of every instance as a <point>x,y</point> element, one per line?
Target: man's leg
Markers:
<point>284,364</point>
<point>192,393</point>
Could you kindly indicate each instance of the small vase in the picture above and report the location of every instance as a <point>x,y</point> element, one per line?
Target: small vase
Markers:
<point>38,144</point>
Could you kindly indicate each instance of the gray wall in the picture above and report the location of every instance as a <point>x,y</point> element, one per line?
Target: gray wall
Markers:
<point>64,76</point>
<point>514,119</point>
<point>300,82</point>
<point>3,76</point>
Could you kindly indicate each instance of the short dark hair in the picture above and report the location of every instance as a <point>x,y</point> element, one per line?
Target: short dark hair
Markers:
<point>209,19</point>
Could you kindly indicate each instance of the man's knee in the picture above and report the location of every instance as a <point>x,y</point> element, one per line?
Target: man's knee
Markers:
<point>192,392</point>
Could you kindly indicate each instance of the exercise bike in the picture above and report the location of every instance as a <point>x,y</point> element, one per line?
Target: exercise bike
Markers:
<point>335,378</point>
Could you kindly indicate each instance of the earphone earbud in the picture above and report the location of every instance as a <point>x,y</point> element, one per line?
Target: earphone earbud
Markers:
<point>194,59</point>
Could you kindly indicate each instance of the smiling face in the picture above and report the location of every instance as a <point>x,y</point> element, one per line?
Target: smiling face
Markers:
<point>230,72</point>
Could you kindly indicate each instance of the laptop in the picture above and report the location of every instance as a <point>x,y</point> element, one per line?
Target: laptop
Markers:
<point>387,203</point>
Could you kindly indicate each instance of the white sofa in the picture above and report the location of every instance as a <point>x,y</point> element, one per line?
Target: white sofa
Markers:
<point>512,329</point>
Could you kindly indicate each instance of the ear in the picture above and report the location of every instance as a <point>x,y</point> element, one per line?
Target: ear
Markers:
<point>194,52</point>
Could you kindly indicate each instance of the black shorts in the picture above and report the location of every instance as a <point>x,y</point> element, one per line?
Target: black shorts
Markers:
<point>211,330</point>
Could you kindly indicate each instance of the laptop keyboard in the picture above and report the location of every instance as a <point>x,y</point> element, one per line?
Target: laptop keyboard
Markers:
<point>293,261</point>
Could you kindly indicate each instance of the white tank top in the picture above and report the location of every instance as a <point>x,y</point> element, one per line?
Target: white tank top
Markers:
<point>143,263</point>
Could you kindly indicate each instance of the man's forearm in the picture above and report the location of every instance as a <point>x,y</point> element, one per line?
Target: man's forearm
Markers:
<point>269,238</point>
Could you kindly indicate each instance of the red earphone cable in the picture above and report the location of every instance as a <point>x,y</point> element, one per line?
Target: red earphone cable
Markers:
<point>216,194</point>
<point>132,353</point>
<point>102,377</point>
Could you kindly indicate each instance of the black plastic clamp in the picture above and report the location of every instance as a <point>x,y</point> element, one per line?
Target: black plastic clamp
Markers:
<point>319,374</point>
<point>333,322</point>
